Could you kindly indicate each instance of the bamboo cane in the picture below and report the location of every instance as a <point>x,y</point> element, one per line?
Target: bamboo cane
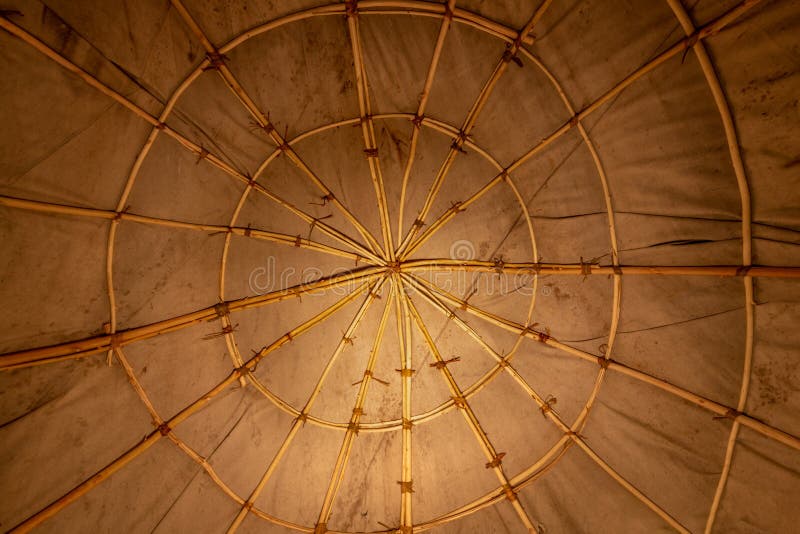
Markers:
<point>423,103</point>
<point>709,29</point>
<point>713,406</point>
<point>298,422</point>
<point>406,374</point>
<point>353,426</point>
<point>734,150</point>
<point>185,142</point>
<point>588,268</point>
<point>380,7</point>
<point>469,123</point>
<point>191,453</point>
<point>181,416</point>
<point>368,131</point>
<point>93,345</point>
<point>275,237</point>
<point>551,414</point>
<point>494,460</point>
<point>233,84</point>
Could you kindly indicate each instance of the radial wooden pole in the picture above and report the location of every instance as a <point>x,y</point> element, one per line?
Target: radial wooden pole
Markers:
<point>587,269</point>
<point>406,373</point>
<point>709,29</point>
<point>93,345</point>
<point>181,416</point>
<point>494,460</point>
<point>218,62</point>
<point>353,426</point>
<point>275,237</point>
<point>550,412</point>
<point>300,420</point>
<point>199,151</point>
<point>469,123</point>
<point>423,103</point>
<point>368,128</point>
<point>607,363</point>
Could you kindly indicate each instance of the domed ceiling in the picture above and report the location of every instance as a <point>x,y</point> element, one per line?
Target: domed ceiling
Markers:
<point>398,266</point>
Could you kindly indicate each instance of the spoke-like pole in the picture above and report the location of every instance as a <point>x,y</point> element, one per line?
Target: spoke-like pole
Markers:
<point>547,409</point>
<point>300,420</point>
<point>717,408</point>
<point>218,62</point>
<point>589,268</point>
<point>193,147</point>
<point>368,127</point>
<point>494,460</point>
<point>469,123</point>
<point>353,426</point>
<point>709,29</point>
<point>168,426</point>
<point>423,103</point>
<point>275,237</point>
<point>406,373</point>
<point>93,345</point>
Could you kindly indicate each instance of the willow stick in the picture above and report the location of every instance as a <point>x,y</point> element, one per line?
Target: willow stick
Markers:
<point>84,347</point>
<point>300,420</point>
<point>614,365</point>
<point>550,412</point>
<point>353,426</point>
<point>126,191</point>
<point>190,452</point>
<point>275,237</point>
<point>423,103</point>
<point>617,290</point>
<point>525,477</point>
<point>469,123</point>
<point>494,461</point>
<point>167,427</point>
<point>588,268</point>
<point>721,101</point>
<point>199,151</point>
<point>706,31</point>
<point>382,7</point>
<point>406,373</point>
<point>383,426</point>
<point>368,130</point>
<point>218,62</point>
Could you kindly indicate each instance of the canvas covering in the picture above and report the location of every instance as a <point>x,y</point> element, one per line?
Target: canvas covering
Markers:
<point>675,200</point>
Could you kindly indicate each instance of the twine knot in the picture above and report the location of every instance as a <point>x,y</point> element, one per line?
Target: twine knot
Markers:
<point>459,401</point>
<point>215,60</point>
<point>203,154</point>
<point>406,486</point>
<point>731,414</point>
<point>549,402</point>
<point>496,461</point>
<point>441,364</point>
<point>221,309</point>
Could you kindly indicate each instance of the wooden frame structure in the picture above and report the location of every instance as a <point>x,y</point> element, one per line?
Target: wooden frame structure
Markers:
<point>387,262</point>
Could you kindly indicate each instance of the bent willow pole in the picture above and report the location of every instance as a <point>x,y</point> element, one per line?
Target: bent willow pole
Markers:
<point>93,345</point>
<point>589,268</point>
